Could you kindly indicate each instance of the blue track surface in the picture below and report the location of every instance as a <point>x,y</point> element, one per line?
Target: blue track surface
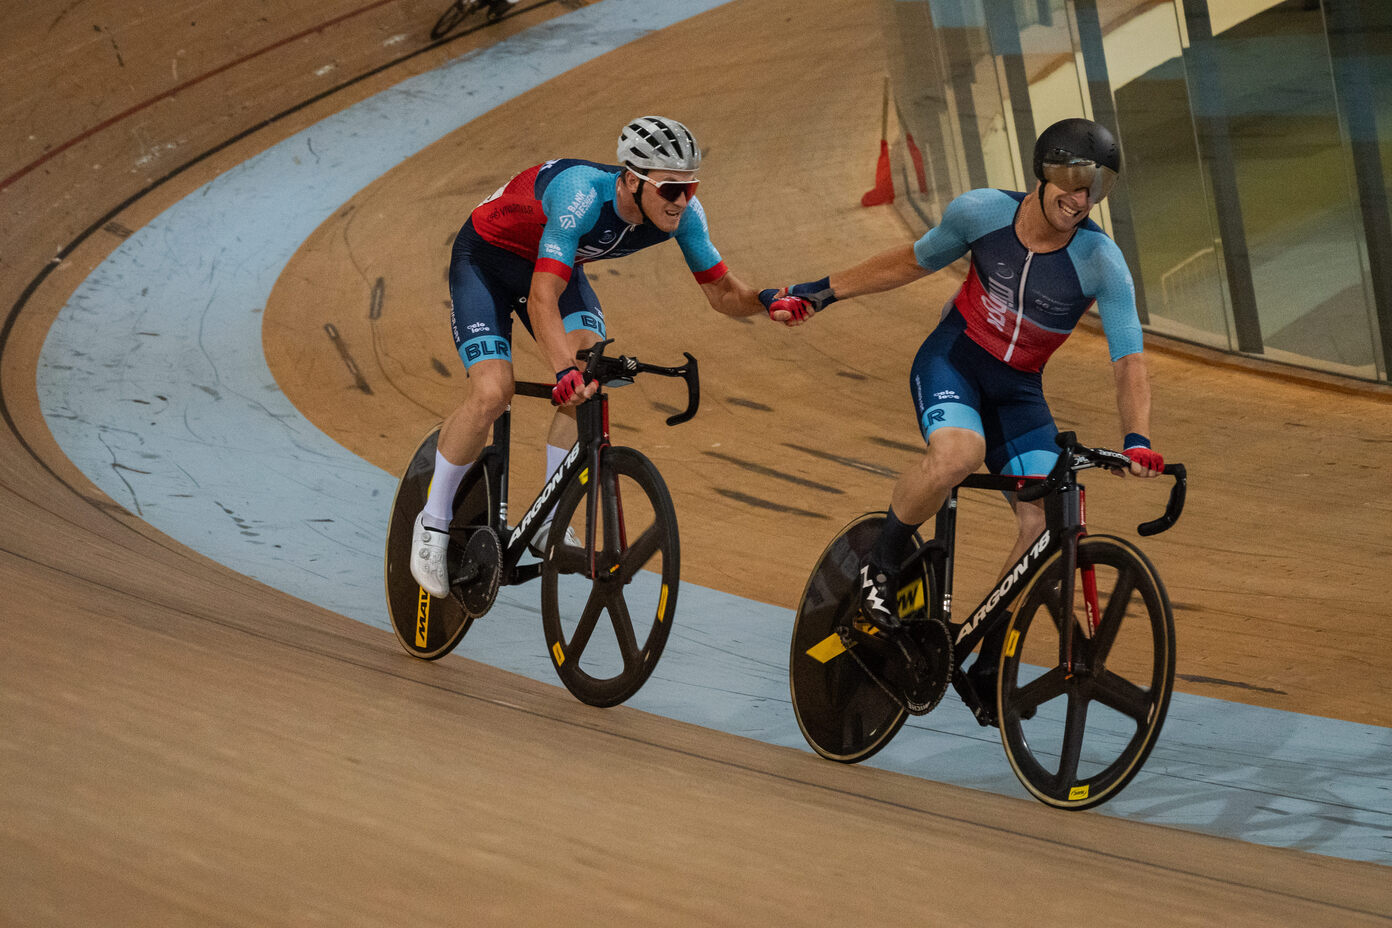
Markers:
<point>153,381</point>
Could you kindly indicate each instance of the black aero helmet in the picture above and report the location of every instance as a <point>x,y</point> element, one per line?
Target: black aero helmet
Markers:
<point>1074,153</point>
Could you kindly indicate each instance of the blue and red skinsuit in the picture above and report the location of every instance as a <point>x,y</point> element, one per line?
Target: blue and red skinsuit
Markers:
<point>980,368</point>
<point>554,218</point>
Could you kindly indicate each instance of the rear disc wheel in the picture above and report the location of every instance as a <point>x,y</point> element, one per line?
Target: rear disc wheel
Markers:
<point>844,714</point>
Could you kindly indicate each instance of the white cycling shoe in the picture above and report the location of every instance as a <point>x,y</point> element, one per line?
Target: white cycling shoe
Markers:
<point>536,545</point>
<point>428,547</point>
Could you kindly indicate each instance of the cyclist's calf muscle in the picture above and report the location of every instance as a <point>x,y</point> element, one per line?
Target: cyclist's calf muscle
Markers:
<point>465,430</point>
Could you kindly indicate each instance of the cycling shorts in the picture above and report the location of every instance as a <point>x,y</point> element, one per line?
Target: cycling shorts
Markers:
<point>956,383</point>
<point>488,285</point>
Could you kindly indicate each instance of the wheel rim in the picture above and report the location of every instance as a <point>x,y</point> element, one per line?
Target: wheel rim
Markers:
<point>607,623</point>
<point>1076,739</point>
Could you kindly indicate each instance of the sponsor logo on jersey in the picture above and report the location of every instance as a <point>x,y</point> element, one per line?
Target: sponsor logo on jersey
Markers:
<point>996,300</point>
<point>580,204</point>
<point>497,213</point>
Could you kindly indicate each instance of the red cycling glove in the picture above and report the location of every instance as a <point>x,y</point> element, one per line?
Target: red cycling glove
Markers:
<point>1138,450</point>
<point>568,383</point>
<point>798,309</point>
<point>799,301</point>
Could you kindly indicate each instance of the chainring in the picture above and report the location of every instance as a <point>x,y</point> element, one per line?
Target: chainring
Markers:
<point>925,672</point>
<point>475,578</point>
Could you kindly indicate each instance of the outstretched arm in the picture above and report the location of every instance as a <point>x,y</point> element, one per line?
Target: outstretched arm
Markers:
<point>884,271</point>
<point>731,296</point>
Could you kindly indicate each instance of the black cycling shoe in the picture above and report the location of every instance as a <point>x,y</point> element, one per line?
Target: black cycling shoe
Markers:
<point>877,602</point>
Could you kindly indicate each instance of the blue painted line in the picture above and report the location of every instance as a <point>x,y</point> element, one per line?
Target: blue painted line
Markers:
<point>153,382</point>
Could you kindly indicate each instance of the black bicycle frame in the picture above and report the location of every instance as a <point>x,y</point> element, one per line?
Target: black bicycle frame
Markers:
<point>1063,525</point>
<point>592,421</point>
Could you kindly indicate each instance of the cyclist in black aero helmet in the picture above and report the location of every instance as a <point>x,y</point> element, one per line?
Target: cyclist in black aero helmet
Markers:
<point>521,253</point>
<point>1038,263</point>
<point>1078,154</point>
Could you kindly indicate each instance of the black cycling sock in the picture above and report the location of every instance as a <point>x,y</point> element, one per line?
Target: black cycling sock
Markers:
<point>892,546</point>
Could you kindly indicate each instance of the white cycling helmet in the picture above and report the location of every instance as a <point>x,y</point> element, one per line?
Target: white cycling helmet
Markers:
<point>654,143</point>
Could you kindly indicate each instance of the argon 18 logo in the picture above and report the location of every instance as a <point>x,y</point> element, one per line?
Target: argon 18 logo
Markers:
<point>1005,586</point>
<point>545,497</point>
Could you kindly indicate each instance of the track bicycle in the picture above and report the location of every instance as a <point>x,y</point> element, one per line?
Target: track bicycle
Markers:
<point>459,10</point>
<point>1079,695</point>
<point>611,551</point>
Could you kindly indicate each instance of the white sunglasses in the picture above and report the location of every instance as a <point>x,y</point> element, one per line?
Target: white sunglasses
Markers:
<point>669,190</point>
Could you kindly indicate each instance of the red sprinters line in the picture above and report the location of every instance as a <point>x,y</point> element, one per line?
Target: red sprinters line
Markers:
<point>5,184</point>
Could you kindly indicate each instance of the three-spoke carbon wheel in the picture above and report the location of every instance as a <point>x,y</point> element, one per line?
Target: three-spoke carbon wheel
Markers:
<point>1076,739</point>
<point>427,627</point>
<point>844,714</point>
<point>607,611</point>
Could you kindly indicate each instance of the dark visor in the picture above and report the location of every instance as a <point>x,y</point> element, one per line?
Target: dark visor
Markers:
<point>1072,173</point>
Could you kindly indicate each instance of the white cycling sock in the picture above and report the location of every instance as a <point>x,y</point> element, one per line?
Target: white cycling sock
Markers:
<point>439,506</point>
<point>555,457</point>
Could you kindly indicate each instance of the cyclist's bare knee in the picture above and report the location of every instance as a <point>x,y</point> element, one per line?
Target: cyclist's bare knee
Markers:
<point>490,392</point>
<point>952,455</point>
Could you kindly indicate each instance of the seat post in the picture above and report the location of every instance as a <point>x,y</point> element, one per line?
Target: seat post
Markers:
<point>945,532</point>
<point>502,441</point>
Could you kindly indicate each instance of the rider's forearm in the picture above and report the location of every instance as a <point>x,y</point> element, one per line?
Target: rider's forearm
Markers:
<point>731,296</point>
<point>884,271</point>
<point>544,311</point>
<point>1133,394</point>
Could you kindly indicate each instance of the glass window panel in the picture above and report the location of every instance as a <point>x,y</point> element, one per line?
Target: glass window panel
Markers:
<point>1295,184</point>
<point>1179,266</point>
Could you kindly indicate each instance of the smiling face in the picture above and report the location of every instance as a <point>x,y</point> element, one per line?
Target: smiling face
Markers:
<point>1065,209</point>
<point>665,214</point>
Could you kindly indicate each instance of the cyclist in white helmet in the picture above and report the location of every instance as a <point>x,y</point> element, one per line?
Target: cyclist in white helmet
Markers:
<point>521,253</point>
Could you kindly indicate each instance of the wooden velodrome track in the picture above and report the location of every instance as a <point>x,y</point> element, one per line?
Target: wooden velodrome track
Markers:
<point>182,745</point>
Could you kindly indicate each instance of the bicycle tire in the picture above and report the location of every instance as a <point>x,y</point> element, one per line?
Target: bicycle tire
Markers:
<point>452,16</point>
<point>1062,751</point>
<point>637,562</point>
<point>844,714</point>
<point>428,627</point>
